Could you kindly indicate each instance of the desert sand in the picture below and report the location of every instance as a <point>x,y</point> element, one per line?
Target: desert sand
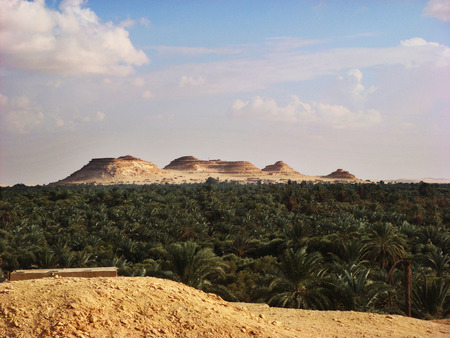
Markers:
<point>148,307</point>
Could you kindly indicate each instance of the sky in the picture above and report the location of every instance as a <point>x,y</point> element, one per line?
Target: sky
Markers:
<point>359,85</point>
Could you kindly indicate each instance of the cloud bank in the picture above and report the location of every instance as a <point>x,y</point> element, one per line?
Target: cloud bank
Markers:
<point>439,9</point>
<point>70,41</point>
<point>22,116</point>
<point>296,111</point>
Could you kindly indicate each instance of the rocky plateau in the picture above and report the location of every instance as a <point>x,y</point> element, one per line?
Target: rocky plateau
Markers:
<point>189,169</point>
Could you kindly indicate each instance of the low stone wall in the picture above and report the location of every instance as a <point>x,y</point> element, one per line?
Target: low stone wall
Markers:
<point>78,272</point>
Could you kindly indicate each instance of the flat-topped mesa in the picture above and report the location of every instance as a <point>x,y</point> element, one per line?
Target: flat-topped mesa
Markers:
<point>341,174</point>
<point>111,170</point>
<point>190,163</point>
<point>187,163</point>
<point>279,167</point>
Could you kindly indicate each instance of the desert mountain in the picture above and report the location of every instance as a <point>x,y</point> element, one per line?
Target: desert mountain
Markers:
<point>189,169</point>
<point>341,174</point>
<point>151,307</point>
<point>279,167</point>
<point>112,169</point>
<point>190,163</point>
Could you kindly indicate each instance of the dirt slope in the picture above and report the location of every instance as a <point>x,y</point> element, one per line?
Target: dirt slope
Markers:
<point>144,306</point>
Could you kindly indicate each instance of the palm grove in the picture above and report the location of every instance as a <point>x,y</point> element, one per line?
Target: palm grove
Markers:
<point>362,247</point>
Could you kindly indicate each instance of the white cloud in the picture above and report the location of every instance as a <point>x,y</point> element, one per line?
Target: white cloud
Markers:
<point>70,41</point>
<point>439,9</point>
<point>144,22</point>
<point>23,116</point>
<point>160,117</point>
<point>3,101</point>
<point>191,81</point>
<point>256,74</point>
<point>286,43</point>
<point>92,118</point>
<point>194,51</point>
<point>127,23</point>
<point>147,95</point>
<point>296,111</point>
<point>352,84</point>
<point>417,42</point>
<point>100,116</point>
<point>138,82</point>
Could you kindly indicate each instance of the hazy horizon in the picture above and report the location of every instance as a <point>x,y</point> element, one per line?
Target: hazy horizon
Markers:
<point>320,85</point>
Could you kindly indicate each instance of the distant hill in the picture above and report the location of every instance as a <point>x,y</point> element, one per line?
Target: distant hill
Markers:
<point>426,180</point>
<point>279,167</point>
<point>189,169</point>
<point>341,174</point>
<point>99,170</point>
<point>190,163</point>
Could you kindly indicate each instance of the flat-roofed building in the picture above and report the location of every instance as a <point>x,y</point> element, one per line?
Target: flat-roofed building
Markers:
<point>72,272</point>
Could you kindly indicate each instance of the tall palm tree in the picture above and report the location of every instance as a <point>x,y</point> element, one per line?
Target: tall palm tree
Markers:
<point>384,245</point>
<point>299,283</point>
<point>407,281</point>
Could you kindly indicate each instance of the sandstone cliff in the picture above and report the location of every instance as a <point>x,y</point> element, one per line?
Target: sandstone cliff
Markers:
<point>190,163</point>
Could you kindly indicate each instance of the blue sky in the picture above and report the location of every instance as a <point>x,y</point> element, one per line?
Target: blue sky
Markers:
<point>359,85</point>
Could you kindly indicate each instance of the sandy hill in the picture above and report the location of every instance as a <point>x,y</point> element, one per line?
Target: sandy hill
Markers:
<point>151,307</point>
<point>105,170</point>
<point>341,174</point>
<point>279,167</point>
<point>190,163</point>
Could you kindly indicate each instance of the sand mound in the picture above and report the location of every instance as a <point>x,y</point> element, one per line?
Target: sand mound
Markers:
<point>341,174</point>
<point>144,306</point>
<point>279,167</point>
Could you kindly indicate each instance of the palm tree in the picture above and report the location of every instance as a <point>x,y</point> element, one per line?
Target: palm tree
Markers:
<point>300,281</point>
<point>438,262</point>
<point>384,245</point>
<point>431,299</point>
<point>353,289</point>
<point>194,266</point>
<point>301,233</point>
<point>240,245</point>
<point>407,281</point>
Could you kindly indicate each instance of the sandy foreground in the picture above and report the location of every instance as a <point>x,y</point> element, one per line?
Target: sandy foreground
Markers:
<point>148,307</point>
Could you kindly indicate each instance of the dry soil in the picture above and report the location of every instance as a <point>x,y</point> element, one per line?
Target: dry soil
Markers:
<point>149,307</point>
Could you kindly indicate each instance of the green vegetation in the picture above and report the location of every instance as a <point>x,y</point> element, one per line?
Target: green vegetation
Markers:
<point>337,246</point>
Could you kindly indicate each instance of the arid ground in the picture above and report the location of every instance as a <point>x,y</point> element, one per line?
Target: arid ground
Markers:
<point>145,306</point>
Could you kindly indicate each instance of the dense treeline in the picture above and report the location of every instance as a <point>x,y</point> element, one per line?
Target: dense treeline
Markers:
<point>337,246</point>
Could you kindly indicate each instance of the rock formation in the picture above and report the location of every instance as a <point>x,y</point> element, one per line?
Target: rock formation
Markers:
<point>341,174</point>
<point>190,163</point>
<point>279,167</point>
<point>189,169</point>
<point>111,170</point>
